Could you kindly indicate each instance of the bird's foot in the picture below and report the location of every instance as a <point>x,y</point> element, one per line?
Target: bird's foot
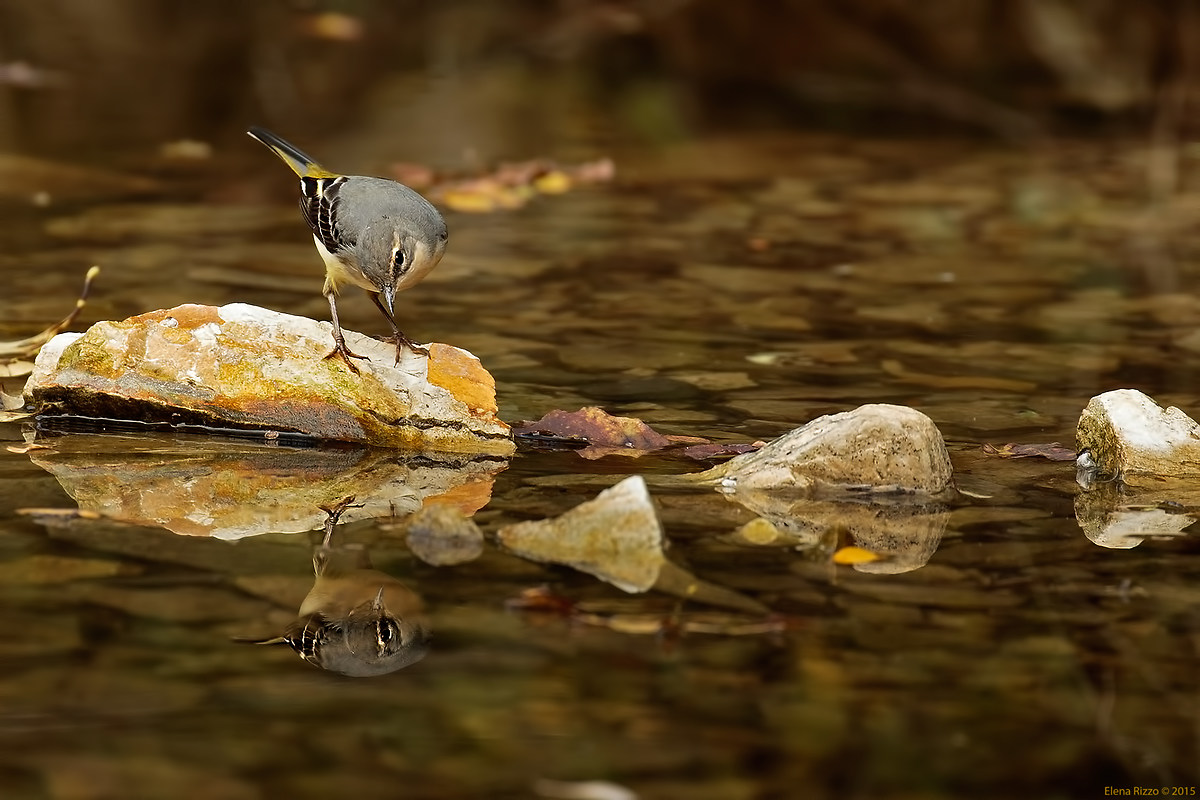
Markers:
<point>402,342</point>
<point>340,350</point>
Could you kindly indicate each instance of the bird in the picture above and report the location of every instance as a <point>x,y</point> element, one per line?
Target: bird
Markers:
<point>355,621</point>
<point>374,233</point>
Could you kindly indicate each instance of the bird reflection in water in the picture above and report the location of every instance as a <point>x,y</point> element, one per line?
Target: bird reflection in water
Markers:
<point>355,621</point>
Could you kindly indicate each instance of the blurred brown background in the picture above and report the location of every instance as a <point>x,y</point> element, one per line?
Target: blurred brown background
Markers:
<point>98,77</point>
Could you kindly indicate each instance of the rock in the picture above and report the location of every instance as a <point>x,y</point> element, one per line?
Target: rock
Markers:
<point>231,490</point>
<point>1126,433</point>
<point>615,536</point>
<point>874,449</point>
<point>441,535</point>
<point>245,368</point>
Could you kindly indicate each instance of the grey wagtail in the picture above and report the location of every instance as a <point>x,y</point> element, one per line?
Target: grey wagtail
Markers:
<point>355,620</point>
<point>372,232</point>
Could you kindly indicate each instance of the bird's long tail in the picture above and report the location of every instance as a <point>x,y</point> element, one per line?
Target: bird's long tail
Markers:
<point>295,158</point>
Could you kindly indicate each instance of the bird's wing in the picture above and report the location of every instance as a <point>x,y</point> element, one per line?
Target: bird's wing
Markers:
<point>319,201</point>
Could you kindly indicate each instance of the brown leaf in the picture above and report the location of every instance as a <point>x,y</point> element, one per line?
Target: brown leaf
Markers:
<point>541,599</point>
<point>703,452</point>
<point>1052,451</point>
<point>604,433</point>
<point>507,186</point>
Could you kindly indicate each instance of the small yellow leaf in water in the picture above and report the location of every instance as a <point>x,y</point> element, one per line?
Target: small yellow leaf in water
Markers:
<point>469,202</point>
<point>553,182</point>
<point>854,555</point>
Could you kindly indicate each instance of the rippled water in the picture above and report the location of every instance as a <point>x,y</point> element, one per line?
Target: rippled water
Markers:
<point>732,289</point>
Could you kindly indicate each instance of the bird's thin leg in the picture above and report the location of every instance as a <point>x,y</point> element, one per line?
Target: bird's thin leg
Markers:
<point>340,349</point>
<point>399,338</point>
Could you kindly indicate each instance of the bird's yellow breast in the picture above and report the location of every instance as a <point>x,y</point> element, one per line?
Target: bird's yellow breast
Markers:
<point>340,271</point>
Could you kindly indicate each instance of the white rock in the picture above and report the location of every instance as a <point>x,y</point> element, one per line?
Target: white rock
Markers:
<point>1127,433</point>
<point>248,368</point>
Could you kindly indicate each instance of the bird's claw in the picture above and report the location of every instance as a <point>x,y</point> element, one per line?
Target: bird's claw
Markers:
<point>340,350</point>
<point>401,341</point>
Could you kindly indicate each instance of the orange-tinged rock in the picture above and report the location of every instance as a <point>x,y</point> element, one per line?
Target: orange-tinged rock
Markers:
<point>246,368</point>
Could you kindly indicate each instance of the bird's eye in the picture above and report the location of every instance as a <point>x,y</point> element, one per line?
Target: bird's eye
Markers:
<point>398,259</point>
<point>385,632</point>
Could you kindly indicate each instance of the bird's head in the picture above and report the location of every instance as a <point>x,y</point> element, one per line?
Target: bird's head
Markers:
<point>396,253</point>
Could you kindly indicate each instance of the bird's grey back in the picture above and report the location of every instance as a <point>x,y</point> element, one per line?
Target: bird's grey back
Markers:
<point>363,201</point>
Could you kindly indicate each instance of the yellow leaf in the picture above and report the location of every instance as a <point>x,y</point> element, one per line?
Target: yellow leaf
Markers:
<point>469,202</point>
<point>553,182</point>
<point>854,555</point>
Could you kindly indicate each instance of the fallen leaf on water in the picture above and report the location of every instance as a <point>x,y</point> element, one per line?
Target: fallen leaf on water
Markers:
<point>507,186</point>
<point>22,449</point>
<point>854,555</point>
<point>703,452</point>
<point>1052,451</point>
<point>604,433</point>
<point>553,182</point>
<point>541,599</point>
<point>898,370</point>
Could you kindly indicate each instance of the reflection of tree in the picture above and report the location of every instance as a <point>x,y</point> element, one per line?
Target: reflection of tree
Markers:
<point>355,620</point>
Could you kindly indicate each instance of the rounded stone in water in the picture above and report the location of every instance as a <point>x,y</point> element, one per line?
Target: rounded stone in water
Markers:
<point>442,536</point>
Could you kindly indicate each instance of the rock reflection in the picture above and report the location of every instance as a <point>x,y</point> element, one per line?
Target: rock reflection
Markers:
<point>905,533</point>
<point>1121,518</point>
<point>230,490</point>
<point>355,620</point>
